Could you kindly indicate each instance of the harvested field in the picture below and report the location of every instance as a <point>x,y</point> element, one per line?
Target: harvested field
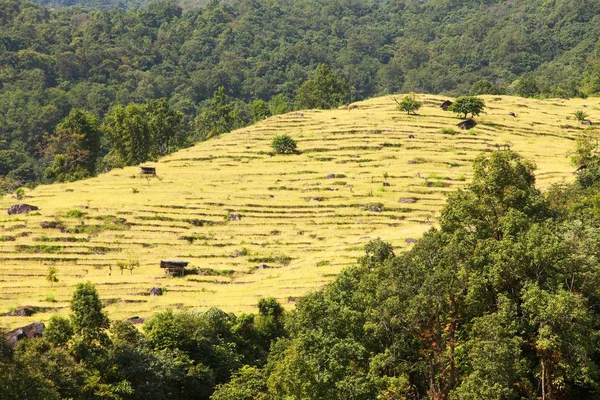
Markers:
<point>299,219</point>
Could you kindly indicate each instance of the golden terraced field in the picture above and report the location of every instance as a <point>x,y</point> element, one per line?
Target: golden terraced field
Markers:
<point>304,226</point>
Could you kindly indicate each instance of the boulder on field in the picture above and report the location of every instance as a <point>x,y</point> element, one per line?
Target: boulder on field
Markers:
<point>33,330</point>
<point>235,217</point>
<point>407,200</point>
<point>21,312</point>
<point>410,241</point>
<point>21,209</point>
<point>136,320</point>
<point>156,291</point>
<point>330,176</point>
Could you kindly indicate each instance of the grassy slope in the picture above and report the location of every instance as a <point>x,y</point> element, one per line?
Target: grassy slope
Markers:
<point>235,173</point>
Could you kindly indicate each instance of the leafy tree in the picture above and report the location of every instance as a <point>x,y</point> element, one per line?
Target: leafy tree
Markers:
<point>249,383</point>
<point>325,90</point>
<point>563,338</point>
<point>527,86</point>
<point>260,110</point>
<point>467,105</point>
<point>87,317</point>
<point>87,125</point>
<point>129,133</point>
<point>284,144</point>
<point>409,104</point>
<point>377,252</point>
<point>278,105</point>
<point>269,322</point>
<point>484,86</point>
<point>59,331</point>
<point>65,152</point>
<point>165,126</point>
<point>217,118</point>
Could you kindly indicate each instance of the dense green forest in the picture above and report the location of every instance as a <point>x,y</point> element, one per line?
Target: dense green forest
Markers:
<point>225,65</point>
<point>501,301</point>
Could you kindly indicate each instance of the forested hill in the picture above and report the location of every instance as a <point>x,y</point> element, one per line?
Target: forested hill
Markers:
<point>54,60</point>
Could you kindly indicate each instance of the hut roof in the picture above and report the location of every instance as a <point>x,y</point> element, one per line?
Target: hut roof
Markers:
<point>173,263</point>
<point>444,106</point>
<point>467,124</point>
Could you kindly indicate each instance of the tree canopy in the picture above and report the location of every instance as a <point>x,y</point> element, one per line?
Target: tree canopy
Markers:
<point>301,53</point>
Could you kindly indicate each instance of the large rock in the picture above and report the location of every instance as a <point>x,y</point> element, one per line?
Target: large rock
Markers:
<point>33,330</point>
<point>21,312</point>
<point>235,217</point>
<point>136,320</point>
<point>156,291</point>
<point>21,209</point>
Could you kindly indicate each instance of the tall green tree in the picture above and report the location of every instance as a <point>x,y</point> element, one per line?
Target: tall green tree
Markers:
<point>325,90</point>
<point>129,133</point>
<point>87,316</point>
<point>165,125</point>
<point>73,149</point>
<point>467,105</point>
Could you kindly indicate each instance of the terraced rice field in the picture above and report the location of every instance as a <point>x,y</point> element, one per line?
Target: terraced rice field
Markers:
<point>298,226</point>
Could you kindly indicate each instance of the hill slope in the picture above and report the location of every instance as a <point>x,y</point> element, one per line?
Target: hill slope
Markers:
<point>288,206</point>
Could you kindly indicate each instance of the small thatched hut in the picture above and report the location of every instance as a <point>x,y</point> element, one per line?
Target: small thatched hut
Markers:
<point>174,266</point>
<point>444,106</point>
<point>148,170</point>
<point>467,124</point>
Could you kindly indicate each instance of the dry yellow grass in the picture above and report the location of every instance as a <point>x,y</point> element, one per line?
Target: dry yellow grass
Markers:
<point>289,208</point>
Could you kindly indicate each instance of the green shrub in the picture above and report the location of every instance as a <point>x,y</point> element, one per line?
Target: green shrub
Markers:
<point>284,144</point>
<point>580,115</point>
<point>409,104</point>
<point>75,214</point>
<point>448,131</point>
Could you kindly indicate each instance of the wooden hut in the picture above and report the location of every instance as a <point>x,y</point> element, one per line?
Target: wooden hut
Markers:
<point>444,106</point>
<point>467,124</point>
<point>174,266</point>
<point>148,170</point>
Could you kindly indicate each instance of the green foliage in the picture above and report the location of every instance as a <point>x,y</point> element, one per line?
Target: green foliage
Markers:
<point>249,383</point>
<point>260,110</point>
<point>409,104</point>
<point>377,252</point>
<point>467,105</point>
<point>527,86</point>
<point>278,105</point>
<point>484,86</point>
<point>580,115</point>
<point>58,331</point>
<point>20,193</point>
<point>284,144</point>
<point>325,90</point>
<point>165,125</point>
<point>87,317</point>
<point>137,56</point>
<point>51,275</point>
<point>128,133</point>
<point>448,131</point>
<point>217,118</point>
<point>72,151</point>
